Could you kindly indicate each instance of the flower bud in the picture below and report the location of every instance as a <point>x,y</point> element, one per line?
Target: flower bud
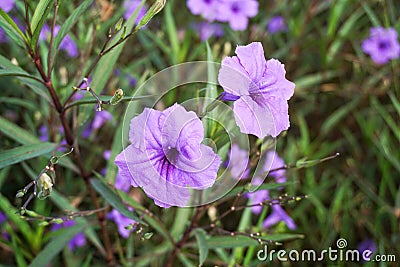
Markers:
<point>20,193</point>
<point>32,214</point>
<point>46,185</point>
<point>153,10</point>
<point>117,97</point>
<point>44,223</point>
<point>57,221</point>
<point>118,26</point>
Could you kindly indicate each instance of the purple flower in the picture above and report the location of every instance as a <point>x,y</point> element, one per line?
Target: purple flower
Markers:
<point>100,118</point>
<point>260,88</point>
<point>273,161</point>
<point>238,162</point>
<point>122,222</point>
<point>7,5</point>
<point>276,24</point>
<point>367,244</point>
<point>166,156</point>
<point>237,12</point>
<point>3,217</point>
<point>382,45</point>
<point>207,30</point>
<point>78,241</point>
<point>3,36</point>
<point>67,44</point>
<point>257,196</point>
<point>278,214</point>
<point>130,7</point>
<point>207,8</point>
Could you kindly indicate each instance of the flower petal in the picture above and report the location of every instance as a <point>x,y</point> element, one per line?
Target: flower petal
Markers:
<point>253,118</point>
<point>252,58</point>
<point>233,77</point>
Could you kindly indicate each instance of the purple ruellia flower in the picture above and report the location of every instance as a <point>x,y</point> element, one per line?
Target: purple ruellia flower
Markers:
<point>2,217</point>
<point>278,214</point>
<point>130,7</point>
<point>382,45</point>
<point>367,244</point>
<point>238,162</point>
<point>259,89</point>
<point>122,222</point>
<point>237,12</point>
<point>78,241</point>
<point>207,8</point>
<point>166,156</point>
<point>3,36</point>
<point>276,24</point>
<point>7,5</point>
<point>273,161</point>
<point>100,118</point>
<point>207,30</point>
<point>67,44</point>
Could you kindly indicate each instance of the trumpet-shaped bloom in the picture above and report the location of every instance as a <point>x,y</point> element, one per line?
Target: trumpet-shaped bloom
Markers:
<point>166,156</point>
<point>259,89</point>
<point>122,222</point>
<point>382,45</point>
<point>237,12</point>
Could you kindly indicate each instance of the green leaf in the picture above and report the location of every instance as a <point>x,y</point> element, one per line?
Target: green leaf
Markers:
<point>39,13</point>
<point>67,25</point>
<point>42,19</point>
<point>56,245</point>
<point>17,73</point>
<point>11,28</point>
<point>112,198</point>
<point>202,243</point>
<point>36,86</point>
<point>172,33</point>
<point>17,133</point>
<point>25,152</point>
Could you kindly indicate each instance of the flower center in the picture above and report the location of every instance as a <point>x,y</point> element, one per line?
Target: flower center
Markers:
<point>207,1</point>
<point>383,45</point>
<point>235,8</point>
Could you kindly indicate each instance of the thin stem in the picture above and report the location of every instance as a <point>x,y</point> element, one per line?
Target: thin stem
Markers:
<point>28,25</point>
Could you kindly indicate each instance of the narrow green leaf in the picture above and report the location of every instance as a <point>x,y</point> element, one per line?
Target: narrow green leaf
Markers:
<point>314,79</point>
<point>112,198</point>
<point>335,16</point>
<point>16,73</point>
<point>40,23</point>
<point>202,243</point>
<point>12,29</point>
<point>244,241</point>
<point>172,33</point>
<point>36,86</point>
<point>39,13</point>
<point>56,245</point>
<point>25,152</point>
<point>18,102</point>
<point>67,25</point>
<point>17,133</point>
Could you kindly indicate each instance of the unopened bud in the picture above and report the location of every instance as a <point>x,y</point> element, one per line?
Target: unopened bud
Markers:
<point>32,214</point>
<point>46,185</point>
<point>20,193</point>
<point>57,221</point>
<point>117,97</point>
<point>44,223</point>
<point>153,10</point>
<point>118,26</point>
<point>148,235</point>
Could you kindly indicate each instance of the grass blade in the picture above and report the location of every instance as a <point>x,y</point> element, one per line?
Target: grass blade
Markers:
<point>25,152</point>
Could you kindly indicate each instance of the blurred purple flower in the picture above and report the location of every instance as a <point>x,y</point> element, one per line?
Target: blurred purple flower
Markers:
<point>278,214</point>
<point>237,12</point>
<point>166,156</point>
<point>238,162</point>
<point>3,217</point>
<point>7,5</point>
<point>67,44</point>
<point>207,8</point>
<point>3,36</point>
<point>120,182</point>
<point>273,161</point>
<point>130,7</point>
<point>100,118</point>
<point>257,196</point>
<point>276,24</point>
<point>122,222</point>
<point>207,30</point>
<point>367,244</point>
<point>260,88</point>
<point>78,241</point>
<point>382,45</point>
